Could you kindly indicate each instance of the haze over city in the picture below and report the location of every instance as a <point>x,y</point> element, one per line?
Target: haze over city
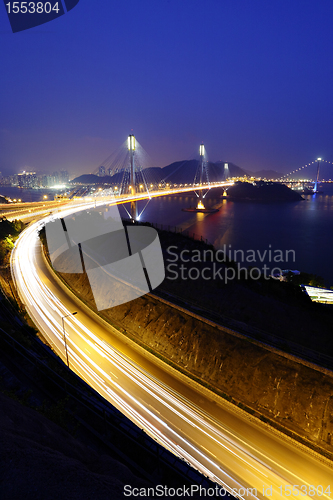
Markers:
<point>252,80</point>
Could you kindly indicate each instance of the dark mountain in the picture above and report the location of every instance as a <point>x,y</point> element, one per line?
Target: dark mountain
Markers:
<point>234,170</point>
<point>184,172</point>
<point>179,172</point>
<point>151,175</point>
<point>88,179</point>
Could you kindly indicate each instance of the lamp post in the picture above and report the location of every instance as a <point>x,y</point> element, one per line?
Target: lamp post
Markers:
<point>63,328</point>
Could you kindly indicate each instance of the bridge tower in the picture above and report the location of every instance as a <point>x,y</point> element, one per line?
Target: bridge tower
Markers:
<point>226,172</point>
<point>131,149</point>
<point>315,190</point>
<point>200,206</point>
<point>202,166</point>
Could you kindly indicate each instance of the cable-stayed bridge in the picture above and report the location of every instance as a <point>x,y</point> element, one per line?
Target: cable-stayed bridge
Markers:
<point>133,179</point>
<point>290,177</point>
<point>128,177</point>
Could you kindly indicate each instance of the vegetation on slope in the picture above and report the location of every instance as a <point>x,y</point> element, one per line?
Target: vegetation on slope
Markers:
<point>8,233</point>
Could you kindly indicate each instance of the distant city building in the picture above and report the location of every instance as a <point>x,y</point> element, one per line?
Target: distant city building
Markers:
<point>27,180</point>
<point>101,171</point>
<point>55,179</point>
<point>64,177</point>
<point>4,180</point>
<point>55,176</point>
<point>31,180</point>
<point>50,181</point>
<point>44,182</point>
<point>110,171</point>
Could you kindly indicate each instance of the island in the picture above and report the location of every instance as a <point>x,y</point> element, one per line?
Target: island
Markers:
<point>262,191</point>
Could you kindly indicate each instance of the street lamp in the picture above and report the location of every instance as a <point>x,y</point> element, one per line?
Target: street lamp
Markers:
<point>63,328</point>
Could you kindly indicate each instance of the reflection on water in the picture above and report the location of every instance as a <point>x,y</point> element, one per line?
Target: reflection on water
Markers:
<point>26,195</point>
<point>305,227</point>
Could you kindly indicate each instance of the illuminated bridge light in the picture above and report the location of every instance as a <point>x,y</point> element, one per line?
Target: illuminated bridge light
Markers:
<point>131,143</point>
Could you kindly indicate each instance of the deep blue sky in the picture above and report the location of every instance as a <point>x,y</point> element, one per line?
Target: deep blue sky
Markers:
<point>253,79</point>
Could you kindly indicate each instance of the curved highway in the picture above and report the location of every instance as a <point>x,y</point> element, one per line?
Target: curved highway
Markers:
<point>224,443</point>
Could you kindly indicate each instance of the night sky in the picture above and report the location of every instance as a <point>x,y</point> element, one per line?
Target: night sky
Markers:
<point>252,79</point>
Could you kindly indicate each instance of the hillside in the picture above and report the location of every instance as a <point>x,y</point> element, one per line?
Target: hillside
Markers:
<point>179,172</point>
<point>40,459</point>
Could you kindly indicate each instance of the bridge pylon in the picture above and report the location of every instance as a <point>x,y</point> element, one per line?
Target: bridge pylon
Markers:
<point>131,149</point>
<point>315,190</point>
<point>200,205</point>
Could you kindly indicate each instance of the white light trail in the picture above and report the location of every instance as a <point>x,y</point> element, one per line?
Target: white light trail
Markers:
<point>169,417</point>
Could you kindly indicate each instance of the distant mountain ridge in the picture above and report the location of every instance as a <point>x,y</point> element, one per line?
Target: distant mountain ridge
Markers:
<point>179,172</point>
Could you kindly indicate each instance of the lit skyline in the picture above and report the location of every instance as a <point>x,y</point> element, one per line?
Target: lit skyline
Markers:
<point>250,80</point>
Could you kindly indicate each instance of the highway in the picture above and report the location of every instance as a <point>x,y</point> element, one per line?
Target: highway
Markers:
<point>224,443</point>
<point>34,210</point>
<point>25,210</point>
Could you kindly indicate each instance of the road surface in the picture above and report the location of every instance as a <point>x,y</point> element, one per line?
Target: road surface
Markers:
<point>221,441</point>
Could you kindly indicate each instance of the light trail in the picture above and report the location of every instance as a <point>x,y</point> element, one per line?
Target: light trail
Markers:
<point>100,200</point>
<point>223,444</point>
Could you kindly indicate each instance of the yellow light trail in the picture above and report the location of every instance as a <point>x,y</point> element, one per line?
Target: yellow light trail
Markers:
<point>225,445</point>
